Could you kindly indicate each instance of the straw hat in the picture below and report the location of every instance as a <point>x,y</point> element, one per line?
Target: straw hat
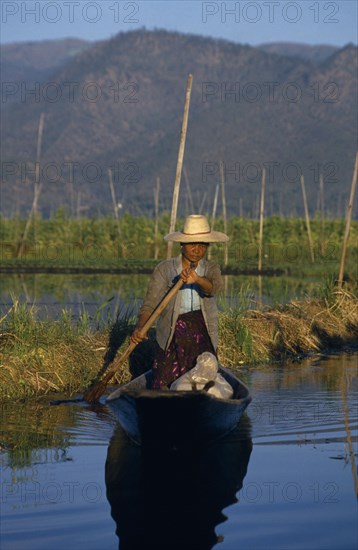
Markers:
<point>196,230</point>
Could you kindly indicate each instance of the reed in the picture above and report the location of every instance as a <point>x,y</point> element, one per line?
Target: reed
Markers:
<point>42,355</point>
<point>314,325</point>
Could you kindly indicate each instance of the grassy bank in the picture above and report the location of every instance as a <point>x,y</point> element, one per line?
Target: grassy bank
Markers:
<point>64,243</point>
<point>293,330</point>
<point>38,356</point>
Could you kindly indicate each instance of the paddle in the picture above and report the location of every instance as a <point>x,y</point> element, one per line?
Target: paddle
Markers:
<point>98,387</point>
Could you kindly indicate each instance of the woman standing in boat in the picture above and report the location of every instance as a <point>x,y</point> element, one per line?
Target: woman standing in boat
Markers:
<point>189,324</point>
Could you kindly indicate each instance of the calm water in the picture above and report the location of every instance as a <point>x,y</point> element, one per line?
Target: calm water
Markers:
<point>53,292</point>
<point>285,479</point>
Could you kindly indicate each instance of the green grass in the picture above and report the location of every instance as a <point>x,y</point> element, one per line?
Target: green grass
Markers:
<point>84,243</point>
<point>40,355</point>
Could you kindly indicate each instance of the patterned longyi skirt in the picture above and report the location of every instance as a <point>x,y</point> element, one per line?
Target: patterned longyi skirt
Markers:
<point>190,339</point>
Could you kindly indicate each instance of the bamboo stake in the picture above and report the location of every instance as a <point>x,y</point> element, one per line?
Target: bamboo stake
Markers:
<point>241,212</point>
<point>71,188</point>
<point>321,208</point>
<point>114,201</point>
<point>256,211</point>
<point>260,304</point>
<point>223,198</point>
<point>215,204</point>
<point>348,223</point>
<point>271,205</point>
<point>78,205</point>
<point>203,200</point>
<point>213,214</point>
<point>310,243</point>
<point>280,210</point>
<point>190,196</point>
<point>179,163</point>
<point>262,205</point>
<point>37,187</point>
<point>156,208</point>
<point>38,157</point>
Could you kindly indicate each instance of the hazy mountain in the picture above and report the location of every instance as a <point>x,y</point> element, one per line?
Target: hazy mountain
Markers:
<point>316,53</point>
<point>28,63</point>
<point>119,104</point>
<point>19,61</point>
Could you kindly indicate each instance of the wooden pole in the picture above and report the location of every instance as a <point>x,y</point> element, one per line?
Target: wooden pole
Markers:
<point>179,163</point>
<point>213,214</point>
<point>348,223</point>
<point>259,301</point>
<point>310,243</point>
<point>37,186</point>
<point>262,205</point>
<point>98,387</point>
<point>38,157</point>
<point>321,208</point>
<point>190,196</point>
<point>339,206</point>
<point>215,205</point>
<point>203,200</point>
<point>223,198</point>
<point>71,190</point>
<point>114,201</point>
<point>156,208</point>
<point>78,205</point>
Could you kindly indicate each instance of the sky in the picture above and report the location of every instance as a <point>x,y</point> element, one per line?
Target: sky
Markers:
<point>244,21</point>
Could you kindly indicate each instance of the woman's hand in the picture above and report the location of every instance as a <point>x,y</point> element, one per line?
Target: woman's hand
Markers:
<point>137,337</point>
<point>189,276</point>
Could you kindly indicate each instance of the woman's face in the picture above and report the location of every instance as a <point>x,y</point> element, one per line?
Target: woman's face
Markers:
<point>194,251</point>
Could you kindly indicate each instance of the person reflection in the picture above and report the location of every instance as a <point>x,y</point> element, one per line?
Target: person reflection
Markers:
<point>173,499</point>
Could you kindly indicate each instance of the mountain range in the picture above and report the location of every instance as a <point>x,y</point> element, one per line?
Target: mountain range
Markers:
<point>118,103</point>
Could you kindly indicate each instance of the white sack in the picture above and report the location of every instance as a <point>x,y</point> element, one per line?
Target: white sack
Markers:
<point>205,370</point>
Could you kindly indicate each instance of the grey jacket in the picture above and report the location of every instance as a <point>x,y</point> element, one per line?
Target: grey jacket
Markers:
<point>164,276</point>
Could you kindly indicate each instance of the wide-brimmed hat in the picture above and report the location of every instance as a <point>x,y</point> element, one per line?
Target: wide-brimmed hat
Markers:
<point>196,230</point>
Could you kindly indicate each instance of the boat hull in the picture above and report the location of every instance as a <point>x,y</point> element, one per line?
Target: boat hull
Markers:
<point>176,417</point>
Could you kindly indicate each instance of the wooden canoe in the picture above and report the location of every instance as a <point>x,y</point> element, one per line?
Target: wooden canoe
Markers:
<point>176,417</point>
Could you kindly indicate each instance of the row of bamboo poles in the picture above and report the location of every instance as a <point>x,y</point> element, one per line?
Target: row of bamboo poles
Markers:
<point>262,200</point>
<point>175,199</point>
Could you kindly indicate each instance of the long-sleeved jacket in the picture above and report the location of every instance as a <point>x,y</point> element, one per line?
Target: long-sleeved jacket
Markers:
<point>164,276</point>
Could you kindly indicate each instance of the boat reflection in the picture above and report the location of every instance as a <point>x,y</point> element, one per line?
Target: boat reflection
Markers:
<point>169,499</point>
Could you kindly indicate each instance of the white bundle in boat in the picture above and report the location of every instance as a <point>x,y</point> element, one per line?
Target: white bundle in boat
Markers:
<point>204,372</point>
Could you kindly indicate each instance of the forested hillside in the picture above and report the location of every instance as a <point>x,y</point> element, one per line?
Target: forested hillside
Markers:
<point>119,103</point>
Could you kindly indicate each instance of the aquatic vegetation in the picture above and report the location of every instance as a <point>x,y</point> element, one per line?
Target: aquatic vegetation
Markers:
<point>295,329</point>
<point>43,355</point>
<point>38,356</point>
<point>84,243</point>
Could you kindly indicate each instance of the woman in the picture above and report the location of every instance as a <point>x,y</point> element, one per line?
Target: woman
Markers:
<point>189,324</point>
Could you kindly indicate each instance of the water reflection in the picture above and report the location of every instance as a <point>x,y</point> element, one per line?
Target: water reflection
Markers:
<point>161,498</point>
<point>299,490</point>
<point>76,292</point>
<point>34,433</point>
